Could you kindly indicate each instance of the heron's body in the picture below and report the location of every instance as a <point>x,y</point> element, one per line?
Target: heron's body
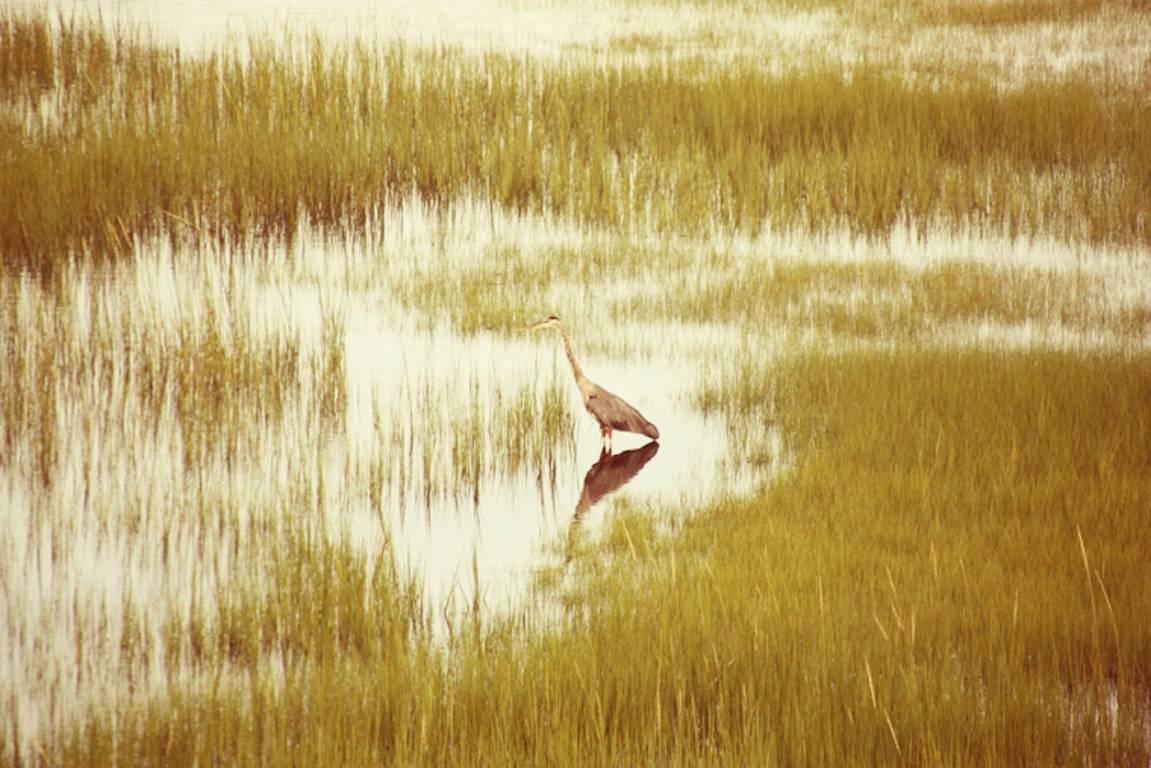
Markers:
<point>610,410</point>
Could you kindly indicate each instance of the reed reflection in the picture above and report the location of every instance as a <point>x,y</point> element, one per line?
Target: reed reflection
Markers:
<point>609,474</point>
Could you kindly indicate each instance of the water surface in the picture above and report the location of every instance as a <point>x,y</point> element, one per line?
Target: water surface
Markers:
<point>197,406</point>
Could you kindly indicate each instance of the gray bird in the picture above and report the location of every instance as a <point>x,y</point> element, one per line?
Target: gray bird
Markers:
<point>610,410</point>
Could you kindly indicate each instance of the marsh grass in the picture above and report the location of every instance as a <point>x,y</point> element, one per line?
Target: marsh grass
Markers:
<point>155,144</point>
<point>930,550</point>
<point>889,302</point>
<point>265,654</point>
<point>447,440</point>
<point>945,565</point>
<point>495,290</point>
<point>482,296</point>
<point>209,372</point>
<point>954,572</point>
<point>126,423</point>
<point>1000,12</point>
<point>190,441</point>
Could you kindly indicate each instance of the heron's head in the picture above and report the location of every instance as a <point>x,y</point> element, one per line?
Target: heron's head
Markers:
<point>548,322</point>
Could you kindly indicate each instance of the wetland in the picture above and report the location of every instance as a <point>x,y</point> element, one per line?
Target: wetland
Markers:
<point>285,480</point>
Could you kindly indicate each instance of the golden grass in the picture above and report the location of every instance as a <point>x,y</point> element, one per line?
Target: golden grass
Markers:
<point>209,372</point>
<point>1008,12</point>
<point>885,302</point>
<point>949,570</point>
<point>149,143</point>
<point>445,440</point>
<point>954,573</point>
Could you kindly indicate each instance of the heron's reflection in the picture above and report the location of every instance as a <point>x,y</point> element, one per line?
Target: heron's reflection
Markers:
<point>607,475</point>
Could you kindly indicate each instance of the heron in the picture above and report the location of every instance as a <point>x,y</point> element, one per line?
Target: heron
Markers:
<point>610,410</point>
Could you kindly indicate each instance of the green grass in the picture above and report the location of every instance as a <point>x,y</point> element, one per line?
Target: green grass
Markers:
<point>153,144</point>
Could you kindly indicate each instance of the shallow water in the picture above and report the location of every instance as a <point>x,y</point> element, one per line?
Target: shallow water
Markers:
<point>150,492</point>
<point>181,413</point>
<point>505,520</point>
<point>635,30</point>
<point>1105,47</point>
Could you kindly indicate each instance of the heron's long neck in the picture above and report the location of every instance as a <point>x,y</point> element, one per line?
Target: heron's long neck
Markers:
<point>576,370</point>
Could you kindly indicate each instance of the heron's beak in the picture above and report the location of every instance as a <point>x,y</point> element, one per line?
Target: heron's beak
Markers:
<point>535,326</point>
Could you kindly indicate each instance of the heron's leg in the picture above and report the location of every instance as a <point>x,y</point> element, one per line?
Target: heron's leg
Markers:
<point>605,438</point>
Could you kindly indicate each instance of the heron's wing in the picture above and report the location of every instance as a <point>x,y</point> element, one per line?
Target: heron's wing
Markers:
<point>613,411</point>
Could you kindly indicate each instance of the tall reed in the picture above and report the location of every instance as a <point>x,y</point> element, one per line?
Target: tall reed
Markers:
<point>232,144</point>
